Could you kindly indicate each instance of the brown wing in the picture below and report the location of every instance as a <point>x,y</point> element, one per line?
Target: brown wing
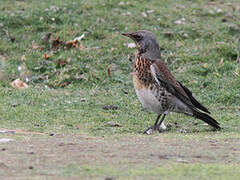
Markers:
<point>193,100</point>
<point>166,75</point>
<point>175,87</point>
<point>164,78</point>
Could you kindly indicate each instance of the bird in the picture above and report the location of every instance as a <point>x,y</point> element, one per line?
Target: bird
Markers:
<point>157,89</point>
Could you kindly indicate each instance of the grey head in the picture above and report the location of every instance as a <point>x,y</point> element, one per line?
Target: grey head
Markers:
<point>146,42</point>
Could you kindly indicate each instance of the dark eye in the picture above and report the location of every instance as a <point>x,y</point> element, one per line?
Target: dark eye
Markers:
<point>138,37</point>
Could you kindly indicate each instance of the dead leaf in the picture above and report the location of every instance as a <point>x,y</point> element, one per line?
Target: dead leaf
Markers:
<point>46,56</point>
<point>35,46</point>
<point>61,62</point>
<point>56,43</point>
<point>23,58</point>
<point>19,84</point>
<point>71,44</point>
<point>64,84</point>
<point>205,65</point>
<point>221,62</point>
<point>109,72</point>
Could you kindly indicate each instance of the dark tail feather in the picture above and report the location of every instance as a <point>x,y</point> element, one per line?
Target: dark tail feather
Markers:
<point>193,100</point>
<point>206,118</point>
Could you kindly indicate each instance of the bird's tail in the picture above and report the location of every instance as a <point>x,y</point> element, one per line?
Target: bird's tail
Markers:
<point>206,118</point>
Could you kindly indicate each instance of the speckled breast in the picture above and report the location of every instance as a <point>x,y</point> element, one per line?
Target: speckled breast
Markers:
<point>142,70</point>
<point>153,97</point>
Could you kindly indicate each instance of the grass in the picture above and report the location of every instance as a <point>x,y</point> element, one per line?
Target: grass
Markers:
<point>199,41</point>
<point>165,172</point>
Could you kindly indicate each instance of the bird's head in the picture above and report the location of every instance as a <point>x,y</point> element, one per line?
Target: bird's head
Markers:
<point>146,42</point>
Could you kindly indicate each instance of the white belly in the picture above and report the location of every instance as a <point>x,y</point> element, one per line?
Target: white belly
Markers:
<point>146,97</point>
<point>149,101</point>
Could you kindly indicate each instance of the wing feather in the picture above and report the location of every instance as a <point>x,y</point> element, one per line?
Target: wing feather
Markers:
<point>164,78</point>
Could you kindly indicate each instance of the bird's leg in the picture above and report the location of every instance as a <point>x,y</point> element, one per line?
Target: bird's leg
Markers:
<point>156,122</point>
<point>154,127</point>
<point>160,124</point>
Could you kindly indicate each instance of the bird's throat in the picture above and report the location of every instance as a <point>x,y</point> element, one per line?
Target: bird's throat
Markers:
<point>150,55</point>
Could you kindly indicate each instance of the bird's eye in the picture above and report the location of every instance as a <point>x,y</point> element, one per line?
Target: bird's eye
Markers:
<point>138,37</point>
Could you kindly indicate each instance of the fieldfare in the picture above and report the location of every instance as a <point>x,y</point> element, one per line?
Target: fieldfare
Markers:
<point>157,89</point>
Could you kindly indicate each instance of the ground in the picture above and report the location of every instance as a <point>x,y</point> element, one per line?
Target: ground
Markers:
<point>169,156</point>
<point>80,117</point>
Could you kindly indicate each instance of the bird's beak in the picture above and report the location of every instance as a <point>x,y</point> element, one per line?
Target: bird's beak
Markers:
<point>127,34</point>
<point>131,36</point>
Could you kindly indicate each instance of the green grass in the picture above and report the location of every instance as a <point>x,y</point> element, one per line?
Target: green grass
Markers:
<point>70,98</point>
<point>171,171</point>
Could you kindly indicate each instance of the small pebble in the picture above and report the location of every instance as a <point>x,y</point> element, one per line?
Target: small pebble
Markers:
<point>15,104</point>
<point>114,124</point>
<point>111,106</point>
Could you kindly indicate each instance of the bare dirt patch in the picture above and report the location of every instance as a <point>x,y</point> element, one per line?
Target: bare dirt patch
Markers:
<point>72,156</point>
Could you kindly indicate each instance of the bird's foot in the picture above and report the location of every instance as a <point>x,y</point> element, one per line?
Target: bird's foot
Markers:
<point>154,129</point>
<point>149,130</point>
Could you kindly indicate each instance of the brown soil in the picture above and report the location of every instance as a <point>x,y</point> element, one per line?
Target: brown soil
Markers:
<point>46,156</point>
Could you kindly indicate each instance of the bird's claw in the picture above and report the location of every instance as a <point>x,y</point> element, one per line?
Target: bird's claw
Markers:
<point>152,129</point>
